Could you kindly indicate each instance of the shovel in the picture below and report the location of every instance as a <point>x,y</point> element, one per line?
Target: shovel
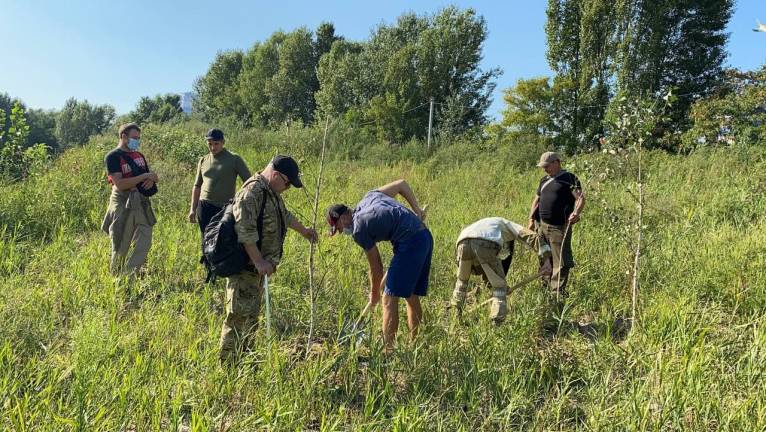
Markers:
<point>520,284</point>
<point>355,329</point>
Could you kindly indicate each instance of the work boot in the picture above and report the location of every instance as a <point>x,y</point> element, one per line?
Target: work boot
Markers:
<point>498,308</point>
<point>544,250</point>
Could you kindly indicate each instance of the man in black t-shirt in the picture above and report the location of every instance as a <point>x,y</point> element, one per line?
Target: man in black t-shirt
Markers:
<point>557,206</point>
<point>129,217</point>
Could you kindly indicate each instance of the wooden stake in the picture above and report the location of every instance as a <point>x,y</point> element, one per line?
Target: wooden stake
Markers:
<point>312,248</point>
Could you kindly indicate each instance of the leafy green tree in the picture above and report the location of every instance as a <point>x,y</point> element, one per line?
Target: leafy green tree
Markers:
<point>529,111</point>
<point>42,123</point>
<point>290,91</point>
<point>676,45</point>
<point>159,109</point>
<point>17,159</point>
<point>77,121</point>
<point>259,64</point>
<point>218,93</point>
<point>323,41</point>
<point>272,83</point>
<point>340,87</point>
<point>387,81</point>
<point>734,114</point>
<point>42,128</point>
<point>581,37</point>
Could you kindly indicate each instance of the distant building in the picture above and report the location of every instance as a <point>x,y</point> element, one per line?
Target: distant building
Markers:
<point>186,101</point>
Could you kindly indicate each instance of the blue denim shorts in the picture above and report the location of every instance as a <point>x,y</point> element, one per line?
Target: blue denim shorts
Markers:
<point>410,266</point>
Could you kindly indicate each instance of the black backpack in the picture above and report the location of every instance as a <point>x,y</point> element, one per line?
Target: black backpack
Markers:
<point>223,254</point>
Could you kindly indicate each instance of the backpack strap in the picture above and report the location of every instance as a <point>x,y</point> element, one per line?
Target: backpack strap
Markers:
<point>134,168</point>
<point>551,179</point>
<point>260,220</point>
<point>282,226</point>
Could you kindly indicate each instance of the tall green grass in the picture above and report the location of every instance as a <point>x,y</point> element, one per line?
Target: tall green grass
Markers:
<point>80,350</point>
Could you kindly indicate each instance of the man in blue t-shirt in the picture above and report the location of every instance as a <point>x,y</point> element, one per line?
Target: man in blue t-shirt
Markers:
<point>380,217</point>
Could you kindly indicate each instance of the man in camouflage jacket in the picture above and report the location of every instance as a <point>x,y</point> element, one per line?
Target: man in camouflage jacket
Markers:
<point>245,289</point>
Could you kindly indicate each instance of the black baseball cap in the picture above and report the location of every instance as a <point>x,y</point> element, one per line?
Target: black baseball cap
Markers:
<point>214,134</point>
<point>287,166</point>
<point>333,214</point>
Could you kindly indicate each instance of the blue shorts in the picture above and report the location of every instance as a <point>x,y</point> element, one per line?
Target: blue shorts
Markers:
<point>410,266</point>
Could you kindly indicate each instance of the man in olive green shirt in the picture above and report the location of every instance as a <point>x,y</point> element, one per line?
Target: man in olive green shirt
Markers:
<point>216,180</point>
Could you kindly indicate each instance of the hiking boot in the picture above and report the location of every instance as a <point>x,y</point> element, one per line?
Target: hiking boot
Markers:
<point>544,251</point>
<point>498,311</point>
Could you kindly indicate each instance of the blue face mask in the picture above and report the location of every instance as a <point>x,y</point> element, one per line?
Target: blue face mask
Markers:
<point>133,144</point>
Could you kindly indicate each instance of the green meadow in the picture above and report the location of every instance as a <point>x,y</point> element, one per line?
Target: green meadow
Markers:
<point>82,350</point>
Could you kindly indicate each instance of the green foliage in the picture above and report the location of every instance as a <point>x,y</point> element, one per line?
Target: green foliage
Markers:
<point>175,144</point>
<point>290,90</point>
<point>383,83</point>
<point>580,38</point>
<point>272,83</point>
<point>17,161</point>
<point>676,45</point>
<point>42,123</point>
<point>733,115</point>
<point>389,79</point>
<point>217,91</point>
<point>80,349</point>
<point>77,121</point>
<point>529,112</point>
<point>159,109</point>
<point>603,51</point>
<point>42,128</point>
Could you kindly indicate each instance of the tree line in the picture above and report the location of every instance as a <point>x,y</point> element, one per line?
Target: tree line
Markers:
<point>609,53</point>
<point>663,58</point>
<point>383,84</point>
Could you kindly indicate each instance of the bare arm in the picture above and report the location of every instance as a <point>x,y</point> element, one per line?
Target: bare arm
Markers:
<point>401,187</point>
<point>194,203</point>
<point>125,184</point>
<point>579,205</point>
<point>532,211</point>
<point>376,274</point>
<point>308,233</point>
<point>264,267</point>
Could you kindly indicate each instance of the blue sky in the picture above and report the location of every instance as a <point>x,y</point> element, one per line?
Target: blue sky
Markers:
<point>111,52</point>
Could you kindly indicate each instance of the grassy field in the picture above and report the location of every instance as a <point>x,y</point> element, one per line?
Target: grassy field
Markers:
<point>80,350</point>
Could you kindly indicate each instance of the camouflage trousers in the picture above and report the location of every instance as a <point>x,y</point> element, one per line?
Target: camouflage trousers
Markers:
<point>481,257</point>
<point>556,268</point>
<point>244,293</point>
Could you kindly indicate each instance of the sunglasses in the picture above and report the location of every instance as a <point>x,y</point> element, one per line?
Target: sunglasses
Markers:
<point>284,179</point>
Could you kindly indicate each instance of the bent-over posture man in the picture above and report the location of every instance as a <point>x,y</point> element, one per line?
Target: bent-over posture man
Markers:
<point>259,198</point>
<point>380,217</point>
<point>480,247</point>
<point>129,217</point>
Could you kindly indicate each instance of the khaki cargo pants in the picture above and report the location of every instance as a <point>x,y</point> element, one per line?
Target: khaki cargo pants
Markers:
<point>244,293</point>
<point>556,269</point>
<point>128,221</point>
<point>480,256</point>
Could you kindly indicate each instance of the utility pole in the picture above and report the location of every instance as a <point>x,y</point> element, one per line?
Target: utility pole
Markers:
<point>430,122</point>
